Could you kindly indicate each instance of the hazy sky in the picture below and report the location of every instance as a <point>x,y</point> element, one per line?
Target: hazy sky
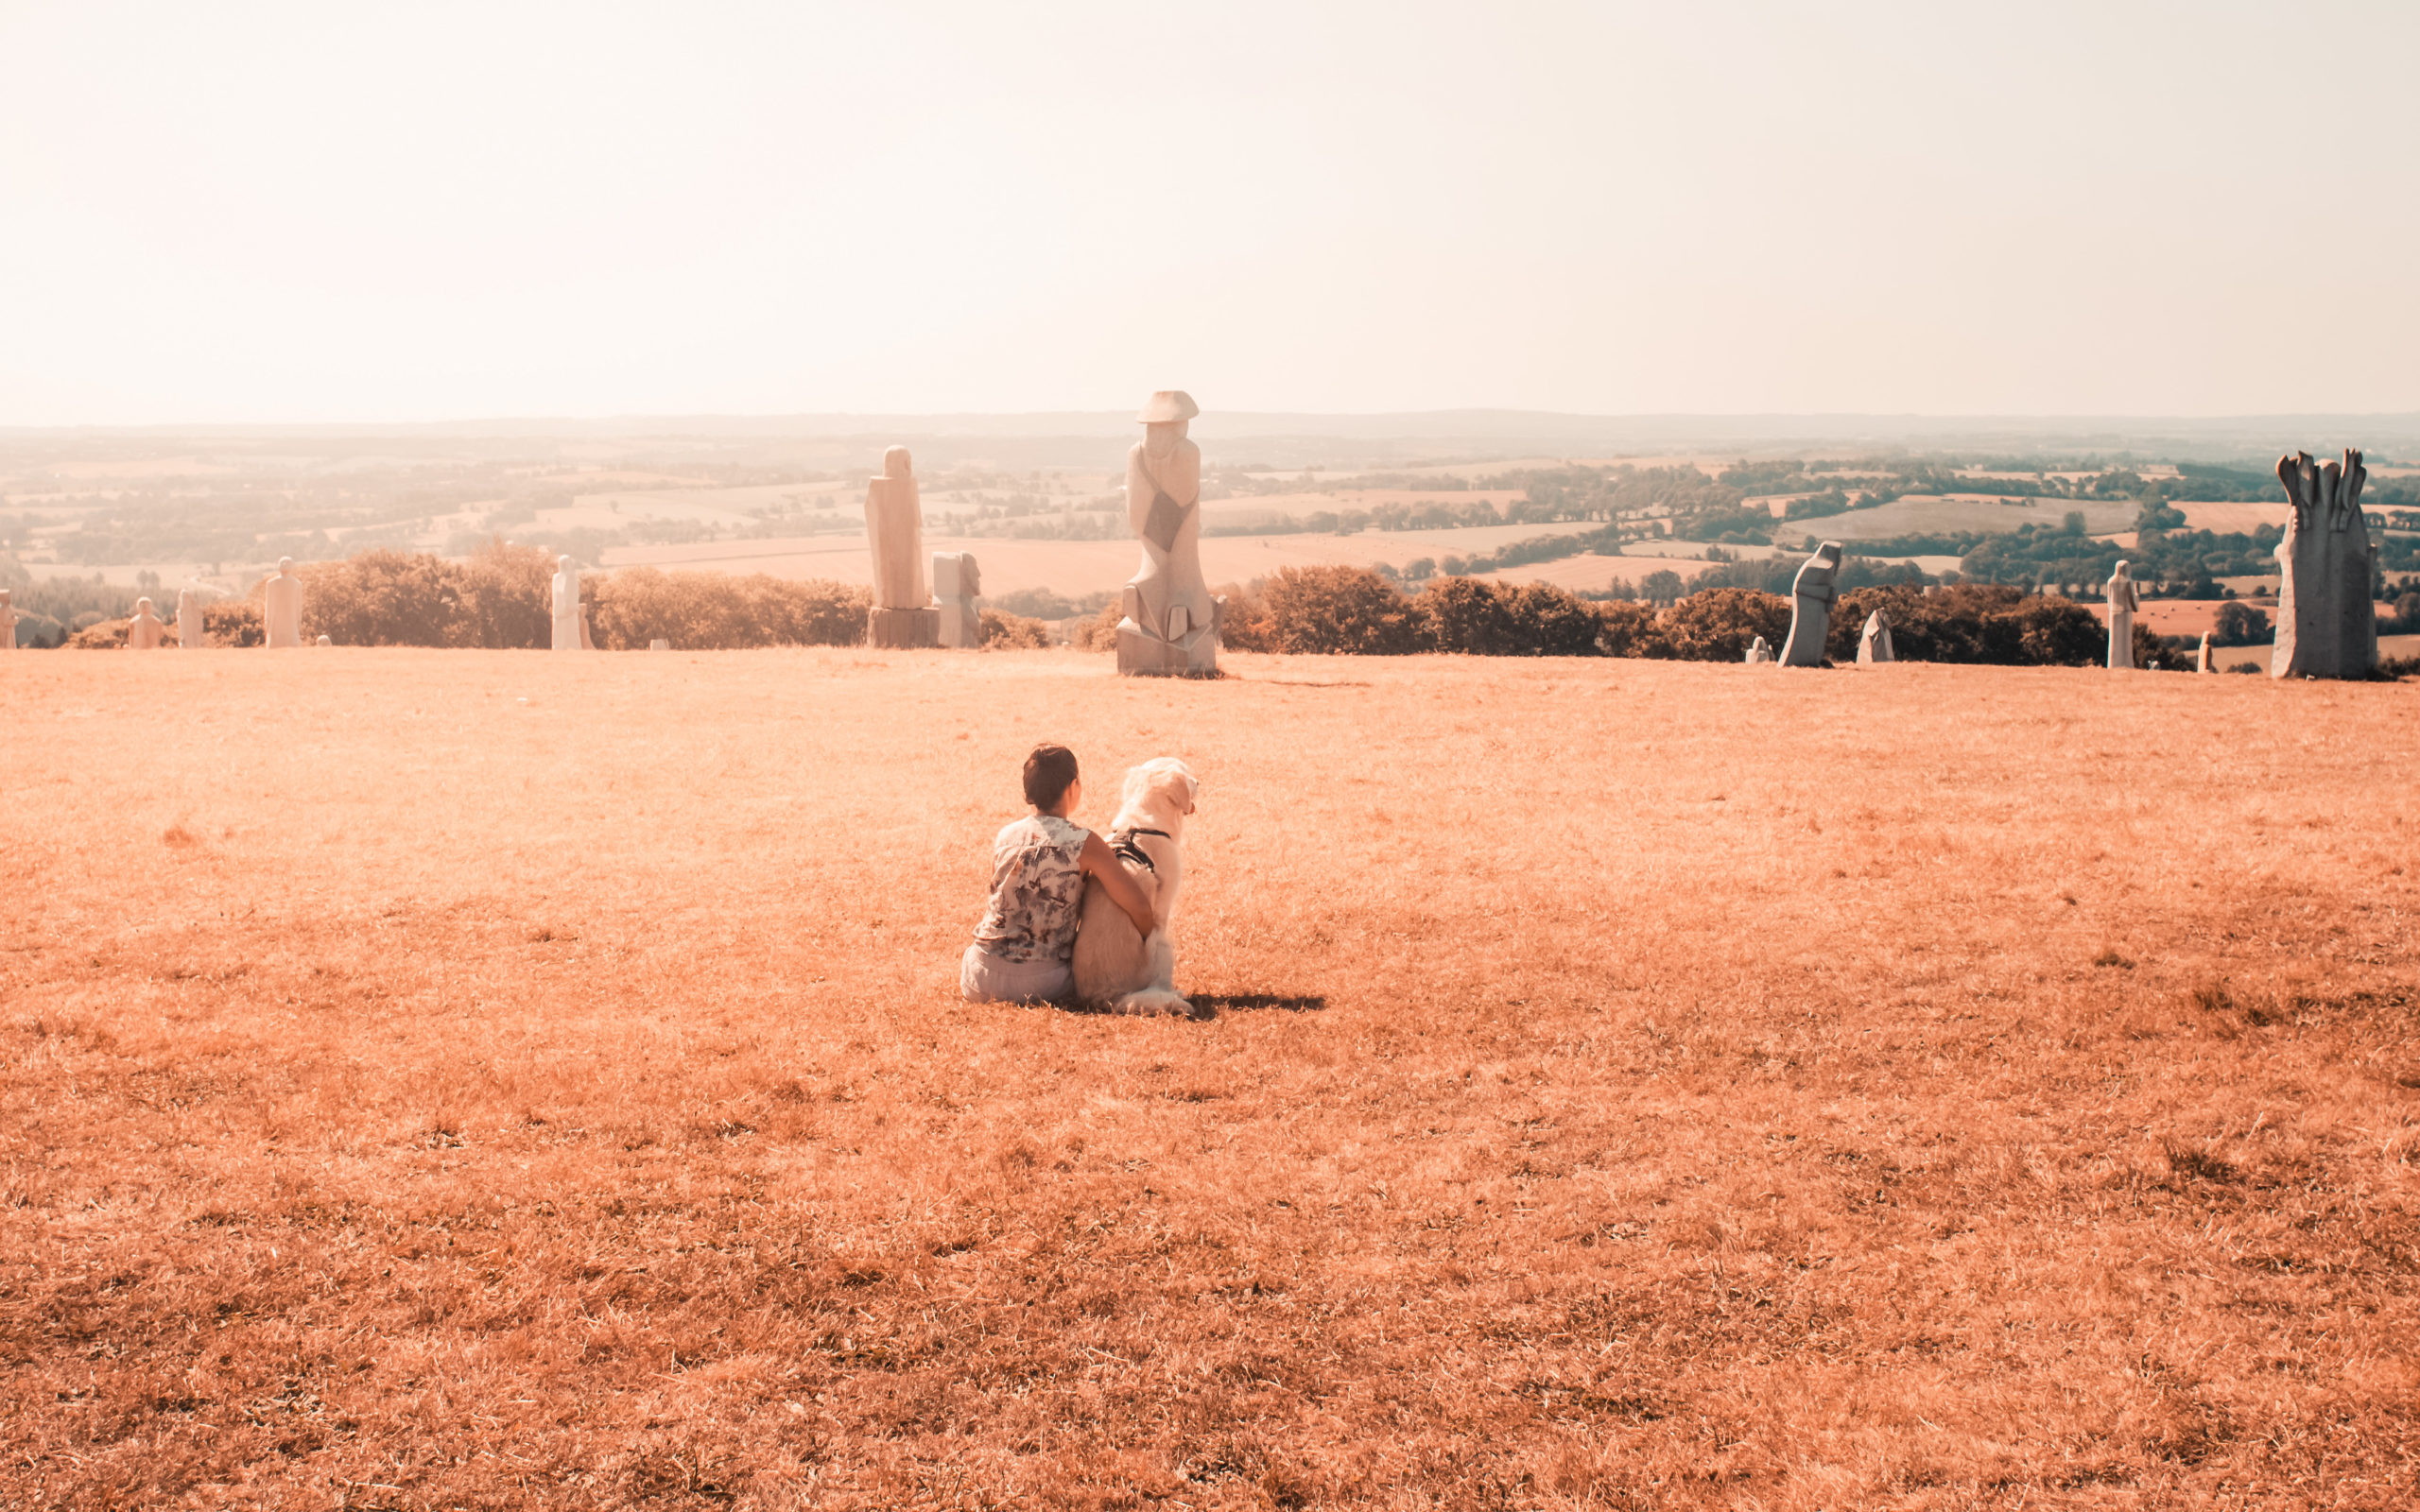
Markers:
<point>249,212</point>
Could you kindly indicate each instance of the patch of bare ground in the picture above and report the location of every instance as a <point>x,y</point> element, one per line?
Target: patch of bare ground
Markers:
<point>1635,1085</point>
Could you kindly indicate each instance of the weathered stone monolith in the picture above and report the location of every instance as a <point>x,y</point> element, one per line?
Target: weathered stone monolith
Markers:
<point>2202,657</point>
<point>7,622</point>
<point>1811,596</point>
<point>903,616</point>
<point>1758,652</point>
<point>2325,626</point>
<point>570,632</point>
<point>2123,603</point>
<point>1170,626</point>
<point>144,630</point>
<point>282,607</point>
<point>191,634</point>
<point>957,582</point>
<point>1873,641</point>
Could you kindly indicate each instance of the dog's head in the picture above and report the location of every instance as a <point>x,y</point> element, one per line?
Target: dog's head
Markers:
<point>1162,787</point>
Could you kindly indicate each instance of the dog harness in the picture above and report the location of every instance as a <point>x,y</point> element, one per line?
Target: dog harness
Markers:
<point>1127,844</point>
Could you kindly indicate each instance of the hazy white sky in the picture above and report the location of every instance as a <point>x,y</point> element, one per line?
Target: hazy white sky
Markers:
<point>253,212</point>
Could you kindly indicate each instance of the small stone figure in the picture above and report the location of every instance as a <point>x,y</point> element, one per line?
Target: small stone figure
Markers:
<point>1171,620</point>
<point>191,634</point>
<point>2201,660</point>
<point>144,632</point>
<point>570,633</point>
<point>1874,642</point>
<point>958,583</point>
<point>902,617</point>
<point>2326,626</point>
<point>658,644</point>
<point>2123,603</point>
<point>7,622</point>
<point>1759,653</point>
<point>282,609</point>
<point>1812,594</point>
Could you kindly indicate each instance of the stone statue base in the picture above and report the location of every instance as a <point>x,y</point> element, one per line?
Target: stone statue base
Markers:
<point>1143,655</point>
<point>961,625</point>
<point>904,629</point>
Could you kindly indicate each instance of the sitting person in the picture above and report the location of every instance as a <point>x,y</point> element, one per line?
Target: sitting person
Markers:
<point>1027,937</point>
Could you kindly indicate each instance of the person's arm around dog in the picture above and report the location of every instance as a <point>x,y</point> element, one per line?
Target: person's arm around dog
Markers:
<point>1101,864</point>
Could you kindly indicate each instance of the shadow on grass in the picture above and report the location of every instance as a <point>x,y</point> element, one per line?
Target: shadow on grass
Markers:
<point>1208,1003</point>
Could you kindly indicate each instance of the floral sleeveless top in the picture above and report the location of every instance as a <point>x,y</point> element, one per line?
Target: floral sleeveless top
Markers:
<point>1037,891</point>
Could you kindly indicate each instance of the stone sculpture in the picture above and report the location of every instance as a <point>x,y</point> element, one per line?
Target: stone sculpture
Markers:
<point>2202,658</point>
<point>570,631</point>
<point>191,634</point>
<point>902,617</point>
<point>7,622</point>
<point>658,644</point>
<point>145,631</point>
<point>2123,602</point>
<point>1759,653</point>
<point>323,641</point>
<point>1811,596</point>
<point>1874,642</point>
<point>958,583</point>
<point>282,609</point>
<point>2326,626</point>
<point>1170,626</point>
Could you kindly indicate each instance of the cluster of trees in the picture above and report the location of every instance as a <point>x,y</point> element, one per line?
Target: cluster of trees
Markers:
<point>502,599</point>
<point>1352,611</point>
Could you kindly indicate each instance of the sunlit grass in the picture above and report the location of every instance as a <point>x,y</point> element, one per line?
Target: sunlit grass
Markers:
<point>1639,1084</point>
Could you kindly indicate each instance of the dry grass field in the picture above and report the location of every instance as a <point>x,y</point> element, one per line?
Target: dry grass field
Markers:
<point>460,1079</point>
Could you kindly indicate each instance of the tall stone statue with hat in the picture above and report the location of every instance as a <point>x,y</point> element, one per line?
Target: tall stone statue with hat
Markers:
<point>1171,622</point>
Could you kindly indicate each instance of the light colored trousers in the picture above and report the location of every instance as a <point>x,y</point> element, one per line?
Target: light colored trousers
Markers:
<point>983,977</point>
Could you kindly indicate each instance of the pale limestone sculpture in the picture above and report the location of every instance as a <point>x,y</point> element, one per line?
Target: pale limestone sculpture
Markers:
<point>2326,626</point>
<point>2123,602</point>
<point>323,641</point>
<point>144,630</point>
<point>2201,660</point>
<point>903,616</point>
<point>1759,653</point>
<point>1171,620</point>
<point>958,583</point>
<point>7,622</point>
<point>658,644</point>
<point>191,634</point>
<point>282,607</point>
<point>1811,596</point>
<point>570,632</point>
<point>1874,642</point>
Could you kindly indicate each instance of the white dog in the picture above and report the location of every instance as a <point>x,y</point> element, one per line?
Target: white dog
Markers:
<point>1115,964</point>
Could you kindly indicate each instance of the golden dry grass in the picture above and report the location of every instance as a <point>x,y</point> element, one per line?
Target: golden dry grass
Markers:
<point>1638,1084</point>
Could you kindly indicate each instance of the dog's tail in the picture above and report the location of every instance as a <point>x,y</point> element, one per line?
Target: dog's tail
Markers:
<point>1153,999</point>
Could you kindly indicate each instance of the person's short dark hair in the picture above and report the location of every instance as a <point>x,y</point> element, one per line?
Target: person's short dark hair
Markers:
<point>1048,773</point>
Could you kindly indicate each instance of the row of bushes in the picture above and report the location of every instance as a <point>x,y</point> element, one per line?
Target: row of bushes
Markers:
<point>1352,611</point>
<point>501,598</point>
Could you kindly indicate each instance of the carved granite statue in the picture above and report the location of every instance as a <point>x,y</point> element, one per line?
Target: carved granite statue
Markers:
<point>145,631</point>
<point>2326,626</point>
<point>191,634</point>
<point>1759,653</point>
<point>2202,657</point>
<point>570,634</point>
<point>1171,620</point>
<point>7,622</point>
<point>903,616</point>
<point>282,607</point>
<point>958,583</point>
<point>2123,603</point>
<point>1811,596</point>
<point>1874,642</point>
